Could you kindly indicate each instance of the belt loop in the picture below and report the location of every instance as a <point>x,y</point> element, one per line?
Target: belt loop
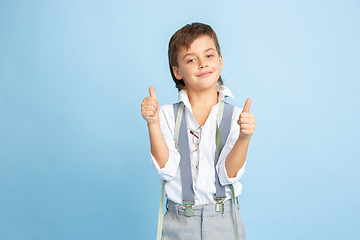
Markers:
<point>177,209</point>
<point>223,211</point>
<point>167,204</point>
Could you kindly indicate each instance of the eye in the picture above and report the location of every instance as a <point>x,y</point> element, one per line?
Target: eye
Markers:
<point>191,60</point>
<point>209,55</point>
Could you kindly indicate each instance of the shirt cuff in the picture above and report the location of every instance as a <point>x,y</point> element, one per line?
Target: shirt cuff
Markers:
<point>223,176</point>
<point>168,172</point>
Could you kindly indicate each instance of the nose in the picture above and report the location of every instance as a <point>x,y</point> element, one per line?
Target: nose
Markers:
<point>203,64</point>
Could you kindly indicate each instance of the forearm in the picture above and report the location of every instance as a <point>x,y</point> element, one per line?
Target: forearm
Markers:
<point>237,156</point>
<point>159,148</point>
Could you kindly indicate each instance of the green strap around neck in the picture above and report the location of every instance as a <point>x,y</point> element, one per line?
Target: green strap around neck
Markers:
<point>219,146</point>
<point>235,209</point>
<point>218,121</point>
<point>161,212</point>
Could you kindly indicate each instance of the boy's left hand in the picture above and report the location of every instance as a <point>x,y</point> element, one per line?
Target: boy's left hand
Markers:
<point>246,121</point>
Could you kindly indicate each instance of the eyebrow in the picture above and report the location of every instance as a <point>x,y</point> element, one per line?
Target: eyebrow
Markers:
<point>194,53</point>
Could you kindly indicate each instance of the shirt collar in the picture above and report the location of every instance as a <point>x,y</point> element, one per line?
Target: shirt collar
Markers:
<point>222,90</point>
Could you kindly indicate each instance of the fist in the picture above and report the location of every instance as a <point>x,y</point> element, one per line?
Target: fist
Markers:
<point>246,121</point>
<point>150,107</point>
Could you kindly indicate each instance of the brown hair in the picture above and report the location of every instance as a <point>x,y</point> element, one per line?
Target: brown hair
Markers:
<point>184,37</point>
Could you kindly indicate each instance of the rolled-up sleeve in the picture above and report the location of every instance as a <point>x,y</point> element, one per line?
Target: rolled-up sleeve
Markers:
<point>232,138</point>
<point>167,124</point>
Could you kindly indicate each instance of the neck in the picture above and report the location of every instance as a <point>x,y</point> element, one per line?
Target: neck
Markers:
<point>204,98</point>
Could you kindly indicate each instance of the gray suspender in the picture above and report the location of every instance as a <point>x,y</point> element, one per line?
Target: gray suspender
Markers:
<point>223,130</point>
<point>224,122</point>
<point>185,162</point>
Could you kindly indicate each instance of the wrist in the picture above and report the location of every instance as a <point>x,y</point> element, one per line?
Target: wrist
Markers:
<point>244,138</point>
<point>153,124</point>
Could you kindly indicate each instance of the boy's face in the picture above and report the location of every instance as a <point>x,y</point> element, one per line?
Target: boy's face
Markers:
<point>200,65</point>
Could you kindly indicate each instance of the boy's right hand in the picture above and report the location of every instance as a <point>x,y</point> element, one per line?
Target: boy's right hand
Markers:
<point>150,107</point>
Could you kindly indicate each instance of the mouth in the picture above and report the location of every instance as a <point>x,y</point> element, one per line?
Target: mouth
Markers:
<point>205,74</point>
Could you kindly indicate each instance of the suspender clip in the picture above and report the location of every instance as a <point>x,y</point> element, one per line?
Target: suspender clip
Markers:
<point>219,204</point>
<point>189,211</point>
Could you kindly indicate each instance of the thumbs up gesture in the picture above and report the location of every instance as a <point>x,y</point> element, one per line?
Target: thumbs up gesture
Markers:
<point>246,121</point>
<point>150,107</point>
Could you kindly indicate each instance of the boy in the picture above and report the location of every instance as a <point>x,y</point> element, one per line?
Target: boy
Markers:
<point>215,162</point>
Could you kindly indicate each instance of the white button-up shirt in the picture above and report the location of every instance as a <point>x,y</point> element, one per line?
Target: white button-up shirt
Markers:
<point>204,177</point>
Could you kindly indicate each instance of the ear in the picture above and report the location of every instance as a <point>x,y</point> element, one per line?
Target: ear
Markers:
<point>177,73</point>
<point>221,61</point>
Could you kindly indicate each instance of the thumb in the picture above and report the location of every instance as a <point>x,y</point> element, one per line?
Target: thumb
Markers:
<point>247,105</point>
<point>152,91</point>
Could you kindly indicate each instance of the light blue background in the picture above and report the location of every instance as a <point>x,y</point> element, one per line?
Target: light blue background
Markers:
<point>74,148</point>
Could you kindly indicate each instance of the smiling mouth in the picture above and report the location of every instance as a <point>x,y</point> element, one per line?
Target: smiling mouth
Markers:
<point>205,74</point>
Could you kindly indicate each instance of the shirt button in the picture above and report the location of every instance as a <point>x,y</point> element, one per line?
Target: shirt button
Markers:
<point>200,181</point>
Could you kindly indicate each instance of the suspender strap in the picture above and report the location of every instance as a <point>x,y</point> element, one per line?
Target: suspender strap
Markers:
<point>185,162</point>
<point>223,124</point>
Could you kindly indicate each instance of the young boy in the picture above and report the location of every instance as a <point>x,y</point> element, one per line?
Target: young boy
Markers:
<point>213,160</point>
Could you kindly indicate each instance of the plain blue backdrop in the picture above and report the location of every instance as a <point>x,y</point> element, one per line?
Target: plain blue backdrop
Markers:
<point>74,149</point>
